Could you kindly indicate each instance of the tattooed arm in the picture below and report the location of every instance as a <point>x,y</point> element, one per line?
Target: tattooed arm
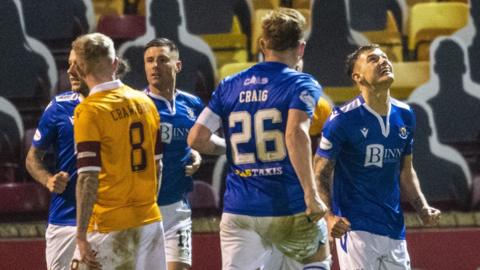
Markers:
<point>86,193</point>
<point>37,169</point>
<point>410,187</point>
<point>337,226</point>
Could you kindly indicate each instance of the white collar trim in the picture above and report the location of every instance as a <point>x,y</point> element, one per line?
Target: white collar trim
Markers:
<point>385,126</point>
<point>106,86</point>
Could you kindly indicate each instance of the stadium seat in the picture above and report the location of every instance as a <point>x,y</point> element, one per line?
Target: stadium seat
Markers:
<point>302,4</point>
<point>409,76</point>
<point>389,39</point>
<point>108,7</point>
<point>122,27</point>
<point>229,47</point>
<point>203,199</point>
<point>340,95</point>
<point>266,4</point>
<point>430,20</point>
<point>230,69</point>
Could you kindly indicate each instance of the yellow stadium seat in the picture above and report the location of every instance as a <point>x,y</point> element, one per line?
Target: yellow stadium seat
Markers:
<point>430,20</point>
<point>302,4</point>
<point>108,7</point>
<point>230,69</point>
<point>411,3</point>
<point>389,39</point>
<point>266,4</point>
<point>409,76</point>
<point>340,95</point>
<point>229,47</point>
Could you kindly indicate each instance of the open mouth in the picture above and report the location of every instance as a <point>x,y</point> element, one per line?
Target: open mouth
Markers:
<point>386,70</point>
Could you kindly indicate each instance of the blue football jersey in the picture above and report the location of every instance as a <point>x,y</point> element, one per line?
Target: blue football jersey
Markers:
<point>253,106</point>
<point>176,119</point>
<point>368,150</point>
<point>55,129</point>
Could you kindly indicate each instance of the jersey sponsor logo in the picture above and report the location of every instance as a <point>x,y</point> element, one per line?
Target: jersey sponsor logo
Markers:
<point>37,136</point>
<point>66,97</point>
<point>259,172</point>
<point>307,99</point>
<point>377,155</point>
<point>325,144</point>
<point>253,96</point>
<point>364,132</point>
<point>255,80</point>
<point>403,133</point>
<point>170,133</point>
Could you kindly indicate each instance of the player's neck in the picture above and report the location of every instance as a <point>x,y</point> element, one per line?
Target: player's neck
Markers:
<point>282,57</point>
<point>377,100</point>
<point>166,92</point>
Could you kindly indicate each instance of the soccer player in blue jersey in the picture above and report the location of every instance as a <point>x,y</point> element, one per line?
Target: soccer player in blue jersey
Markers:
<point>178,112</point>
<point>367,145</point>
<point>55,129</point>
<point>271,200</point>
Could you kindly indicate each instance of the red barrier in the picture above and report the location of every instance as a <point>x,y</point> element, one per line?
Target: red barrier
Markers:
<point>436,249</point>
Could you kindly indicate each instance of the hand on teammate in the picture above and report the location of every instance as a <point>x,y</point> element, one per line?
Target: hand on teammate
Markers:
<point>430,216</point>
<point>316,208</point>
<point>58,182</point>
<point>196,161</point>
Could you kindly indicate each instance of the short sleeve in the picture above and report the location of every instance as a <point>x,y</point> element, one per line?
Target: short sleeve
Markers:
<point>215,103</point>
<point>87,140</point>
<point>306,95</point>
<point>47,129</point>
<point>333,137</point>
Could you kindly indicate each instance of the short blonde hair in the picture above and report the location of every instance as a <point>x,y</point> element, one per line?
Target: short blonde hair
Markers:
<point>283,29</point>
<point>94,51</point>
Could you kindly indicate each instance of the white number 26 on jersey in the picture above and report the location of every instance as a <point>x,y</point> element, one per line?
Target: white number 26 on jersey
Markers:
<point>262,136</point>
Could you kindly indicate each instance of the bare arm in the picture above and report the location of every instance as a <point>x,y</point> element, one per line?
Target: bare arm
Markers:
<point>37,169</point>
<point>86,194</point>
<point>337,226</point>
<point>204,141</point>
<point>298,146</point>
<point>323,175</point>
<point>410,187</point>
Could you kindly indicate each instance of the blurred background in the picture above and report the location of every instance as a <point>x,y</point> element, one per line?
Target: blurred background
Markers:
<point>434,47</point>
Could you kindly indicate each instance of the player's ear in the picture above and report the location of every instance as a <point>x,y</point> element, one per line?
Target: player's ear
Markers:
<point>178,66</point>
<point>262,44</point>
<point>356,77</point>
<point>301,48</point>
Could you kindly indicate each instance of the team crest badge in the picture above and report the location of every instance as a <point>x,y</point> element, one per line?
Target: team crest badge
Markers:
<point>403,133</point>
<point>190,114</point>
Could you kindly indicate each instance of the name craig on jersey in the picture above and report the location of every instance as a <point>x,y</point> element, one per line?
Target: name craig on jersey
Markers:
<point>377,155</point>
<point>170,133</point>
<point>247,96</point>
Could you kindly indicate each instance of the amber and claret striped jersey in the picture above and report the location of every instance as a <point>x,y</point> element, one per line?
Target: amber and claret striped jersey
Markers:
<point>116,130</point>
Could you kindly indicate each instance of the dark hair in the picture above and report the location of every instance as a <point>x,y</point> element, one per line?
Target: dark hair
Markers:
<point>353,57</point>
<point>161,42</point>
<point>283,29</point>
